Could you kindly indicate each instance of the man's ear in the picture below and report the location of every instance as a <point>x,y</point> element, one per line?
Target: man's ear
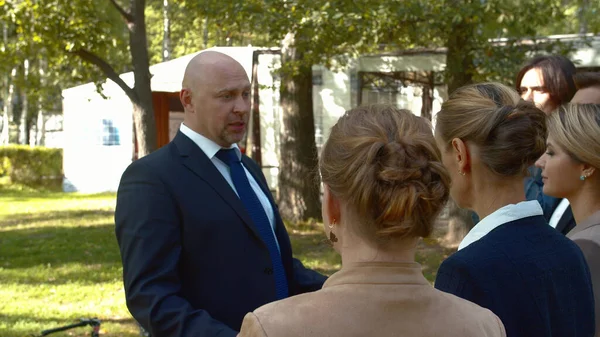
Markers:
<point>332,204</point>
<point>462,155</point>
<point>185,96</point>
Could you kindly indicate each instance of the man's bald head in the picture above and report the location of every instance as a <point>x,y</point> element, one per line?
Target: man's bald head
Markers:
<point>205,64</point>
<point>216,97</point>
<point>588,85</point>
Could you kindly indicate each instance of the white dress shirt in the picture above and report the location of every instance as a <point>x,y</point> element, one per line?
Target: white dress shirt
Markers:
<point>499,217</point>
<point>211,148</point>
<point>558,212</point>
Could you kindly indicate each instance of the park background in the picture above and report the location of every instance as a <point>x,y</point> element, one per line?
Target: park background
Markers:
<point>59,259</point>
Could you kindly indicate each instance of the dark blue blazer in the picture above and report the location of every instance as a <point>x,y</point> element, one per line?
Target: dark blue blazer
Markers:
<point>193,262</point>
<point>534,187</point>
<point>531,276</point>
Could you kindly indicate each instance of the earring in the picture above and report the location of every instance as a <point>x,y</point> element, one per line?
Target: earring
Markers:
<point>582,177</point>
<point>332,236</point>
<point>461,172</point>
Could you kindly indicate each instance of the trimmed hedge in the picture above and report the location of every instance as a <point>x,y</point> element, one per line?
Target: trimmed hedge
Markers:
<point>32,166</point>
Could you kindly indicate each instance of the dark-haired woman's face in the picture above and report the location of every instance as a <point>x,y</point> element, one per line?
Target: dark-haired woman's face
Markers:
<point>532,89</point>
<point>560,173</point>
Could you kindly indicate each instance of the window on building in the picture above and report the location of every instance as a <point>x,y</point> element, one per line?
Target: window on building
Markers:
<point>110,134</point>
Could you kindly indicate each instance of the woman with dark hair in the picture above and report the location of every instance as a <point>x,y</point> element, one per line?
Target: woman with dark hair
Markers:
<point>547,81</point>
<point>535,279</point>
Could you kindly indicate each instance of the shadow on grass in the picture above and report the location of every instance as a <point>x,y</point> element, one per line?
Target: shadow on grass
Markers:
<point>28,196</point>
<point>39,324</point>
<point>24,219</point>
<point>50,322</point>
<point>12,193</point>
<point>36,255</point>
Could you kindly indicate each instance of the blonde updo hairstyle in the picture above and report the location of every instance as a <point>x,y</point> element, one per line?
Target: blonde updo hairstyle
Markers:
<point>383,164</point>
<point>509,132</point>
<point>576,129</point>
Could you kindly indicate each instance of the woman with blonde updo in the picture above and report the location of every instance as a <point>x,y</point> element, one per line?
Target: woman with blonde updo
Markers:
<point>571,170</point>
<point>531,276</point>
<point>384,185</point>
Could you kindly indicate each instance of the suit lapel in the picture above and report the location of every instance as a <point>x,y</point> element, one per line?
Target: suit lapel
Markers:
<point>196,161</point>
<point>566,221</point>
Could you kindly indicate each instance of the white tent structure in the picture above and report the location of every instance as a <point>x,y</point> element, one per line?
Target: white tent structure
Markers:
<point>98,132</point>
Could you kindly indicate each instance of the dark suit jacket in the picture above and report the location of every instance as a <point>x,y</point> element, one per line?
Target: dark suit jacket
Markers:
<point>193,262</point>
<point>534,191</point>
<point>534,278</point>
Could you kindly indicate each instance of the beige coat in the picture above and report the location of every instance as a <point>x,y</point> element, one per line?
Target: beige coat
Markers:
<point>373,299</point>
<point>587,236</point>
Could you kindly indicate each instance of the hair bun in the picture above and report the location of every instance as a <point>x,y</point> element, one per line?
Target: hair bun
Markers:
<point>510,132</point>
<point>384,164</point>
<point>400,161</point>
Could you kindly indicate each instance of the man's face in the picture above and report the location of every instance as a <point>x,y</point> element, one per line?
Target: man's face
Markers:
<point>532,89</point>
<point>587,95</point>
<point>220,102</point>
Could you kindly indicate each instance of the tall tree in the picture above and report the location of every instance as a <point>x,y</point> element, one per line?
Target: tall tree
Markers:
<point>298,179</point>
<point>467,28</point>
<point>141,93</point>
<point>166,47</point>
<point>90,30</point>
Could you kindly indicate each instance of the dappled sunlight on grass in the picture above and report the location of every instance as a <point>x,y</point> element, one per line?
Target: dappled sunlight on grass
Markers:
<point>310,246</point>
<point>59,262</point>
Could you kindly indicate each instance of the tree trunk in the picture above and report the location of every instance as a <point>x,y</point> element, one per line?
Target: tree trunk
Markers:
<point>166,46</point>
<point>460,68</point>
<point>40,128</point>
<point>23,129</point>
<point>298,180</point>
<point>205,34</point>
<point>581,15</point>
<point>41,123</point>
<point>143,111</point>
<point>459,224</point>
<point>7,110</point>
<point>459,58</point>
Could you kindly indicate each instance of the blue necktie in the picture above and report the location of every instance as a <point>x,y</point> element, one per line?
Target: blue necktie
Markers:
<point>257,214</point>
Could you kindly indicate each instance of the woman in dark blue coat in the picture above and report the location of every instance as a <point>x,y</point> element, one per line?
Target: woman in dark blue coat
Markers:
<point>513,263</point>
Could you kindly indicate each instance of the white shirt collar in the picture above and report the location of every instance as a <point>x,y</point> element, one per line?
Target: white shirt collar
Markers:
<point>499,217</point>
<point>209,147</point>
<point>559,211</point>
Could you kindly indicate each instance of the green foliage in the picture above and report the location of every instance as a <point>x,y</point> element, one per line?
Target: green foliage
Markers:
<point>44,34</point>
<point>32,166</point>
<point>52,29</point>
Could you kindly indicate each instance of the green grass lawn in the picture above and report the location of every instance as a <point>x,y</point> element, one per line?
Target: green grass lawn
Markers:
<point>59,261</point>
